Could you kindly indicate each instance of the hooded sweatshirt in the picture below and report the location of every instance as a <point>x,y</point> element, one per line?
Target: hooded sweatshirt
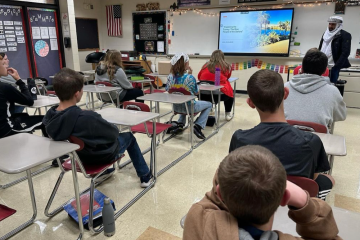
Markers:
<point>99,136</point>
<point>210,219</point>
<point>313,99</point>
<point>120,80</point>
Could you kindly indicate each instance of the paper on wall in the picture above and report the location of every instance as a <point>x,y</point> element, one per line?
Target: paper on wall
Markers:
<point>17,23</point>
<point>8,23</point>
<point>36,32</point>
<point>3,43</point>
<point>223,2</point>
<point>160,46</point>
<point>52,32</point>
<point>10,40</point>
<point>53,44</point>
<point>9,32</point>
<point>19,33</point>
<point>21,40</point>
<point>18,28</point>
<point>9,28</point>
<point>14,44</point>
<point>9,36</point>
<point>3,49</point>
<point>12,49</point>
<point>44,31</point>
<point>2,36</point>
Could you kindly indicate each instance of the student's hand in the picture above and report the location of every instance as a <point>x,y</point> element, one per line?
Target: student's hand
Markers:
<point>189,69</point>
<point>14,73</point>
<point>298,196</point>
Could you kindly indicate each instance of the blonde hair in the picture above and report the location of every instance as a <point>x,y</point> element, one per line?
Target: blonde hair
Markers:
<point>113,61</point>
<point>217,59</point>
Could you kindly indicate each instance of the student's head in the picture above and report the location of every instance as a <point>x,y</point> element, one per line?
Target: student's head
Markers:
<point>179,64</point>
<point>217,59</point>
<point>5,58</point>
<point>113,61</point>
<point>314,62</point>
<point>68,85</point>
<point>266,91</point>
<point>252,183</point>
<point>334,23</point>
<point>3,70</point>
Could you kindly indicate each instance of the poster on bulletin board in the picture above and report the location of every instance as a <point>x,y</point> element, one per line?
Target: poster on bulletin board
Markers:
<point>45,42</point>
<point>149,29</point>
<point>13,40</point>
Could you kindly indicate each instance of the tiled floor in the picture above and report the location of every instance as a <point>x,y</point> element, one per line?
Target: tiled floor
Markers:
<point>164,205</point>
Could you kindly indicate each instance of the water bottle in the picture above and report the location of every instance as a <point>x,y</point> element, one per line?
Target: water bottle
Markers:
<point>217,76</point>
<point>108,218</point>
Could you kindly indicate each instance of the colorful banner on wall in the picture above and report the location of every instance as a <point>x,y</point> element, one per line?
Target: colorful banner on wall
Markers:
<point>283,69</point>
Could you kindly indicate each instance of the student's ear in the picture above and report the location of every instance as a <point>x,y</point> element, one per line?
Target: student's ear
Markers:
<point>286,198</point>
<point>286,92</point>
<point>218,192</point>
<point>250,103</point>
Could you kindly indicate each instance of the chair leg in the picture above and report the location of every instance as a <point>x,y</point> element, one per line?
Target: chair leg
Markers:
<point>52,196</point>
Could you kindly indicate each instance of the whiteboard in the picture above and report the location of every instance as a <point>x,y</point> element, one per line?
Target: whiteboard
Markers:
<point>195,33</point>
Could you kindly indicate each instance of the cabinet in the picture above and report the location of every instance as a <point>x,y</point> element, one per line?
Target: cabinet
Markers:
<point>352,87</point>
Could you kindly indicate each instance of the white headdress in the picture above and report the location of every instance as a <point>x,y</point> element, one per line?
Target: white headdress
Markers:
<point>329,35</point>
<point>177,56</point>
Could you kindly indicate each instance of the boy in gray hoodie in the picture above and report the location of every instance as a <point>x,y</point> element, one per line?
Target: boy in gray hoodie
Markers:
<point>311,96</point>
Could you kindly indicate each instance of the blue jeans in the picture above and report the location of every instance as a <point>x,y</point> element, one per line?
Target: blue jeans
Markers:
<point>334,74</point>
<point>128,142</point>
<point>18,109</point>
<point>200,106</point>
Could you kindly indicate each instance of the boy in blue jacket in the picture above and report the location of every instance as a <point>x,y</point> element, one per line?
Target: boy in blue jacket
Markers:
<point>103,142</point>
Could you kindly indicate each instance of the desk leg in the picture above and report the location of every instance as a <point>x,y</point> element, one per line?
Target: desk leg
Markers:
<point>153,163</point>
<point>218,111</point>
<point>234,99</point>
<point>92,101</point>
<point>28,223</point>
<point>77,194</point>
<point>192,124</point>
<point>331,162</point>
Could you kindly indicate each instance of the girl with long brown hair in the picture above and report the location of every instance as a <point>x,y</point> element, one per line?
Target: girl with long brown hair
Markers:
<point>111,70</point>
<point>207,73</point>
<point>180,77</point>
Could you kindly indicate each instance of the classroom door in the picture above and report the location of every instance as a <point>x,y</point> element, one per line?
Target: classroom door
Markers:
<point>45,42</point>
<point>13,39</point>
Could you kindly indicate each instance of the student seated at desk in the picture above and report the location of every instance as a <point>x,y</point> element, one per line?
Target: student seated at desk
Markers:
<point>111,70</point>
<point>207,73</point>
<point>103,142</point>
<point>301,153</point>
<point>311,96</point>
<point>10,122</point>
<point>180,79</point>
<point>248,187</point>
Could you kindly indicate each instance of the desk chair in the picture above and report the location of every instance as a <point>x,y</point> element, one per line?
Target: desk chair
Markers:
<point>305,183</point>
<point>155,85</point>
<point>308,126</point>
<point>181,91</point>
<point>105,97</point>
<point>89,171</point>
<point>146,128</point>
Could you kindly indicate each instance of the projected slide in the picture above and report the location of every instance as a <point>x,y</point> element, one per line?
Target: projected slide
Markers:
<point>255,32</point>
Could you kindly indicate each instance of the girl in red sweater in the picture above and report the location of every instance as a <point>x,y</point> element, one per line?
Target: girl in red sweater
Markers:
<point>207,73</point>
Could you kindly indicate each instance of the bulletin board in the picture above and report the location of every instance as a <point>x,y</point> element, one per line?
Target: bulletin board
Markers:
<point>87,33</point>
<point>149,32</point>
<point>13,39</point>
<point>45,42</point>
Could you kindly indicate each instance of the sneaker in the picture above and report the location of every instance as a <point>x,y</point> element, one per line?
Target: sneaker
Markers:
<point>212,112</point>
<point>198,133</point>
<point>228,116</point>
<point>105,175</point>
<point>62,160</point>
<point>146,180</point>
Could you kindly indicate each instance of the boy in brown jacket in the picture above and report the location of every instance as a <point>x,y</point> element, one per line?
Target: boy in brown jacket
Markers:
<point>252,182</point>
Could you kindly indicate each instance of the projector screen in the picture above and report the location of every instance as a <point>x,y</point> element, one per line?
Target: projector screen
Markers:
<point>256,32</point>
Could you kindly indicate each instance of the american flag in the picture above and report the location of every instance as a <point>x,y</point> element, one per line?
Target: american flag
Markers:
<point>113,16</point>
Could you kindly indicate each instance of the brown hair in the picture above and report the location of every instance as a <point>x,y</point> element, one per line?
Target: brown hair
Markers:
<point>66,83</point>
<point>2,55</point>
<point>266,90</point>
<point>314,62</point>
<point>179,67</point>
<point>217,59</point>
<point>113,61</point>
<point>252,182</point>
